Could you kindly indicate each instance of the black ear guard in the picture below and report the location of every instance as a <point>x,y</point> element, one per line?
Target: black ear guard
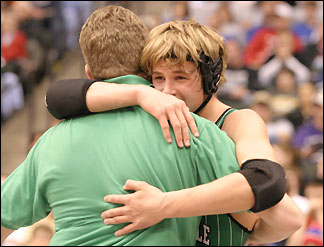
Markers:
<point>210,72</point>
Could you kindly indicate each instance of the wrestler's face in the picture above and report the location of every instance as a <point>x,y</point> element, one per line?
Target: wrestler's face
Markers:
<point>181,80</point>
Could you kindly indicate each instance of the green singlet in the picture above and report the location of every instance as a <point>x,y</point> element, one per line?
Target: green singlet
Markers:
<point>222,229</point>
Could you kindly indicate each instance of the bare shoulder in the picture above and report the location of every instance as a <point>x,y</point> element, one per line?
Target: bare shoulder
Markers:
<point>244,117</point>
<point>244,122</point>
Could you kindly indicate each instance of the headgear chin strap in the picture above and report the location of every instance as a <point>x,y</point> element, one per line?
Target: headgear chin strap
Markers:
<point>203,104</point>
<point>210,72</point>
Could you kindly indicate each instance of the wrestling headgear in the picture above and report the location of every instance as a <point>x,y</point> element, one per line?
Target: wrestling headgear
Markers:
<point>210,73</point>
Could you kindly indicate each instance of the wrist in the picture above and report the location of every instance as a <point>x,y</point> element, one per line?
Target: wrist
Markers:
<point>168,207</point>
<point>140,94</point>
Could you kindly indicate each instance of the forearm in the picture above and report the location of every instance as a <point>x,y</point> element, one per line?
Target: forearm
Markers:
<point>76,97</point>
<point>265,234</point>
<point>103,96</point>
<point>228,194</point>
<point>278,222</point>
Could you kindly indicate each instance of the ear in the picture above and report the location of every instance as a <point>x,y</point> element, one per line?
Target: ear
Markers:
<point>88,72</point>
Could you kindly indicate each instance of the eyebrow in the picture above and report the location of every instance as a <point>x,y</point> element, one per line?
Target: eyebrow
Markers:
<point>176,71</point>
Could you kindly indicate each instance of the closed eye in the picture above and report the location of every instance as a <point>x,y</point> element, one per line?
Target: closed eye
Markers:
<point>157,78</point>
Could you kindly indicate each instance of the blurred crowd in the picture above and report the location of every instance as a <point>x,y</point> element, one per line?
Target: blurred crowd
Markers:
<point>35,35</point>
<point>275,67</point>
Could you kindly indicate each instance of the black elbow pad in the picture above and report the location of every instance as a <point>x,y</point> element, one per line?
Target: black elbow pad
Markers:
<point>267,180</point>
<point>67,98</point>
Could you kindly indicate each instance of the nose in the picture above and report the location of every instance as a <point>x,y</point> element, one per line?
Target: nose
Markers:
<point>169,87</point>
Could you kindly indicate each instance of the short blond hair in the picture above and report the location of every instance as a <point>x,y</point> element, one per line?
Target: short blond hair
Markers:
<point>112,40</point>
<point>176,41</point>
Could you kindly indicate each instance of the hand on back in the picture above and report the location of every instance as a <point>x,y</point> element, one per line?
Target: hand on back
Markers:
<point>141,209</point>
<point>169,109</point>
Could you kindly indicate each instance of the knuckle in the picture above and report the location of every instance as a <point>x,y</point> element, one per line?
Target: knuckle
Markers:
<point>182,104</point>
<point>183,122</point>
<point>162,111</point>
<point>127,211</point>
<point>136,225</point>
<point>177,105</point>
<point>176,125</point>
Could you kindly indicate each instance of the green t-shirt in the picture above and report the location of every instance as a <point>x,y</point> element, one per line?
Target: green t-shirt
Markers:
<point>79,161</point>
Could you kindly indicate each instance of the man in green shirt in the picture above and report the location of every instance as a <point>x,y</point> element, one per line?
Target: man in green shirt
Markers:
<point>79,161</point>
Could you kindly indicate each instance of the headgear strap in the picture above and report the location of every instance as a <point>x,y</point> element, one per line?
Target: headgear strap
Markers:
<point>210,72</point>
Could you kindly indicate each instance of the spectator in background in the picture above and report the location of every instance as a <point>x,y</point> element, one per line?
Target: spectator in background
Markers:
<point>285,154</point>
<point>260,17</point>
<point>311,233</point>
<point>308,141</point>
<point>280,130</point>
<point>179,11</point>
<point>45,35</point>
<point>314,229</point>
<point>74,14</point>
<point>237,91</point>
<point>293,175</point>
<point>306,20</point>
<point>13,60</point>
<point>244,15</point>
<point>12,95</point>
<point>202,10</point>
<point>261,46</point>
<point>225,23</point>
<point>13,40</point>
<point>284,93</point>
<point>32,16</point>
<point>283,58</point>
<point>302,114</point>
<point>312,55</point>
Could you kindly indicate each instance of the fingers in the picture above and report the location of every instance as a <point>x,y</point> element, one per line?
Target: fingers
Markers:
<point>113,213</point>
<point>180,120</point>
<point>191,122</point>
<point>127,229</point>
<point>186,119</point>
<point>177,128</point>
<point>120,199</point>
<point>134,185</point>
<point>165,129</point>
<point>116,220</point>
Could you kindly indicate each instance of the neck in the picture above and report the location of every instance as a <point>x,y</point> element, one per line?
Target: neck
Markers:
<point>213,109</point>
